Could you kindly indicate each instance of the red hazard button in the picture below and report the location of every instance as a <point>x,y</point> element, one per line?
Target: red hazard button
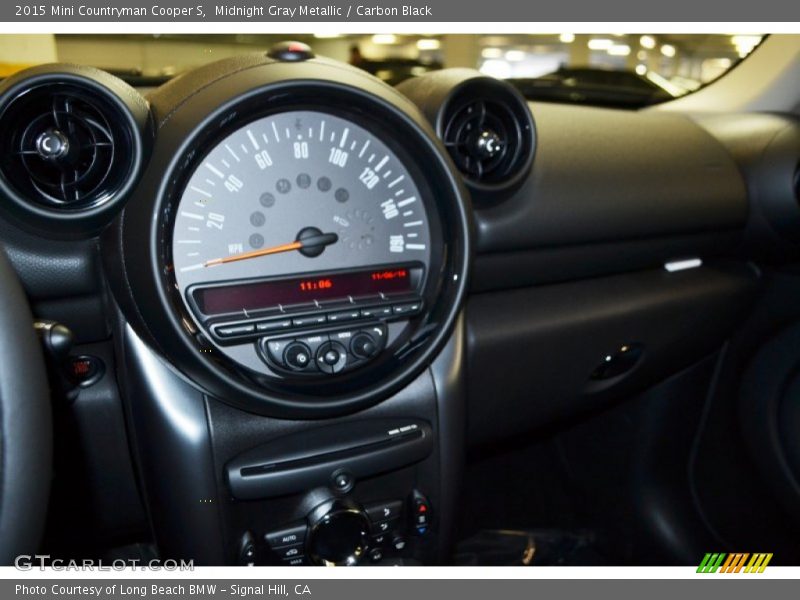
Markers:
<point>84,370</point>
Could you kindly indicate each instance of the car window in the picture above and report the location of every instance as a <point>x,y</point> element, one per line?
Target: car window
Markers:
<point>620,70</point>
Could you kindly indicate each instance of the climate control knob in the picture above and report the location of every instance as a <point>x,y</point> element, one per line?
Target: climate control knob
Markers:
<point>339,535</point>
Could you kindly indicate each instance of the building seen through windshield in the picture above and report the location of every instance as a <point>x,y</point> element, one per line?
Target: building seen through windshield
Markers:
<point>621,70</point>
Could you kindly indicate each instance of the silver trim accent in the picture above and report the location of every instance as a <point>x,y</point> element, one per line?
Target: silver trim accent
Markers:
<point>682,265</point>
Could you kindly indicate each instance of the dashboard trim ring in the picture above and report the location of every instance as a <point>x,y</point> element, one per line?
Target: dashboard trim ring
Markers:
<point>189,120</point>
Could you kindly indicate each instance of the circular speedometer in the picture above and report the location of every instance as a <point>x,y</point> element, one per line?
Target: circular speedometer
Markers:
<point>299,222</point>
<point>296,192</point>
<point>299,242</point>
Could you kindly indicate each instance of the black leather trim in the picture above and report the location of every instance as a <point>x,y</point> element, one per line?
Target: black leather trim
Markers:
<point>26,437</point>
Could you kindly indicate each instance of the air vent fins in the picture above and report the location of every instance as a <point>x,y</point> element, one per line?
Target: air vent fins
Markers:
<point>488,131</point>
<point>69,148</point>
<point>71,145</point>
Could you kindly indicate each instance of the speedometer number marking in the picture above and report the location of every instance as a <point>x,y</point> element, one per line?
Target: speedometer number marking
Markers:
<point>369,178</point>
<point>263,159</point>
<point>233,183</point>
<point>215,220</point>
<point>396,243</point>
<point>389,209</point>
<point>338,157</point>
<point>301,150</point>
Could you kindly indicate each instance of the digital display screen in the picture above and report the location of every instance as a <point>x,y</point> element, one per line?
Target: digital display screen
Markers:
<point>299,290</point>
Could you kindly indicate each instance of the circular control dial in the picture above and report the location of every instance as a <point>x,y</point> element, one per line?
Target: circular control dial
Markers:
<point>340,537</point>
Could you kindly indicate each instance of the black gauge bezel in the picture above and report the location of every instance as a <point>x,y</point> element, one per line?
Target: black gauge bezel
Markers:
<point>277,102</point>
<point>160,314</point>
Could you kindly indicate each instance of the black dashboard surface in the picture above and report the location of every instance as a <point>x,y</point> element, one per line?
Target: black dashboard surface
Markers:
<point>623,237</point>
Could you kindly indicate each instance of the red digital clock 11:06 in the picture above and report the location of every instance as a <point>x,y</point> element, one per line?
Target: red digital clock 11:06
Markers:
<point>299,290</point>
<point>315,284</point>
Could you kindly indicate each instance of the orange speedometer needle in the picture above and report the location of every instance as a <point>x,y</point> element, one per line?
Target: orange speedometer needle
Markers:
<point>310,241</point>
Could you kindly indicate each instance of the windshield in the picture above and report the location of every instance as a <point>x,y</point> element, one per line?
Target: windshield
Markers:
<point>619,70</point>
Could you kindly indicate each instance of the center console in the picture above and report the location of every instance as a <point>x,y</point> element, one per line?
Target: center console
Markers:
<point>230,487</point>
<point>290,273</point>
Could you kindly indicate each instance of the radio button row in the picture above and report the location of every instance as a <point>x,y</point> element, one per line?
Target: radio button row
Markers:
<point>309,320</point>
<point>376,312</point>
<point>231,331</point>
<point>345,315</point>
<point>409,308</point>
<point>234,330</point>
<point>264,326</point>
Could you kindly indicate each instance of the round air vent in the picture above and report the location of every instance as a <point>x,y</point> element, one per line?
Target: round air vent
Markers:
<point>72,144</point>
<point>488,130</point>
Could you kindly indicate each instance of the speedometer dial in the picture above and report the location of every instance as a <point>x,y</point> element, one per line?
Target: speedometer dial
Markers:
<point>297,192</point>
<point>291,225</point>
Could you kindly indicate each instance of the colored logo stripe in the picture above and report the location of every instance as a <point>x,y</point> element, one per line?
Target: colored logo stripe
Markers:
<point>733,563</point>
<point>758,563</point>
<point>711,562</point>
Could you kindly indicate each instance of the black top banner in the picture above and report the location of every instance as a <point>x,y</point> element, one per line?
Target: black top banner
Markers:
<point>464,11</point>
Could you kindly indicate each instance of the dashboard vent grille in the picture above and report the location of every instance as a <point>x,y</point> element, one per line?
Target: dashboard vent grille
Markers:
<point>66,146</point>
<point>489,133</point>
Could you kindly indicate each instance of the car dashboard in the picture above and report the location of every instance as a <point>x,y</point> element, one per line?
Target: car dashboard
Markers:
<point>299,298</point>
